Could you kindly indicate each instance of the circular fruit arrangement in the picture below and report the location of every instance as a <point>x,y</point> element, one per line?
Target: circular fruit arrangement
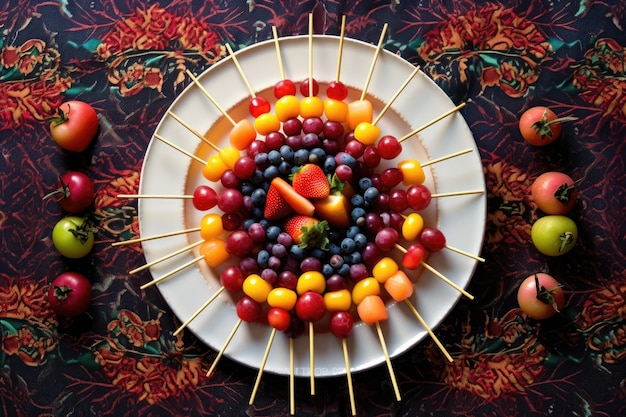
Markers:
<point>315,212</point>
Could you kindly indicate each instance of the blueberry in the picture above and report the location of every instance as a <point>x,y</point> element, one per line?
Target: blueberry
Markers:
<point>327,270</point>
<point>284,168</point>
<point>262,258</point>
<point>270,173</point>
<point>247,223</point>
<point>352,231</point>
<point>334,248</point>
<point>329,165</point>
<point>360,240</point>
<point>261,160</point>
<point>297,252</point>
<point>357,213</point>
<point>353,258</point>
<point>274,157</point>
<point>357,200</point>
<point>258,197</point>
<point>301,156</point>
<point>348,246</point>
<point>272,232</point>
<point>371,194</point>
<point>287,153</point>
<point>365,183</point>
<point>344,270</point>
<point>316,155</point>
<point>347,159</point>
<point>258,212</point>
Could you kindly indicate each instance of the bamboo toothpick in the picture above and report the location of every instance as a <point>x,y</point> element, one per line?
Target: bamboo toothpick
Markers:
<point>455,193</point>
<point>166,257</point>
<point>262,366</point>
<point>199,310</point>
<point>392,374</point>
<point>376,54</point>
<point>172,272</point>
<point>178,148</point>
<point>223,349</point>
<point>464,253</point>
<point>439,275</point>
<point>194,131</point>
<point>157,196</point>
<point>346,359</point>
<point>292,380</point>
<point>312,357</point>
<point>432,122</point>
<point>278,54</point>
<point>443,158</point>
<point>210,97</point>
<point>310,54</point>
<point>429,330</point>
<point>340,52</point>
<point>397,93</point>
<point>240,70</point>
<point>159,236</point>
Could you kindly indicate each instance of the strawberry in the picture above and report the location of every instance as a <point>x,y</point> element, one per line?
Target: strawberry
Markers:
<point>276,207</point>
<point>310,181</point>
<point>307,231</point>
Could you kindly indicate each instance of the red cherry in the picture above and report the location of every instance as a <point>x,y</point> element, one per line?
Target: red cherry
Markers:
<point>204,198</point>
<point>433,239</point>
<point>232,278</point>
<point>418,196</point>
<point>389,147</point>
<point>258,106</point>
<point>310,306</point>
<point>304,87</point>
<point>248,309</point>
<point>285,88</point>
<point>279,318</point>
<point>341,324</point>
<point>413,256</point>
<point>337,90</point>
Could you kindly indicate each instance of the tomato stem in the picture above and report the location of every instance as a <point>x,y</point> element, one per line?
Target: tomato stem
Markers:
<point>545,296</point>
<point>61,116</point>
<point>62,192</point>
<point>62,292</point>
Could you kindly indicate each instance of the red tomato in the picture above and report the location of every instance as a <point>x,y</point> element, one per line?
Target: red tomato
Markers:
<point>540,126</point>
<point>75,192</point>
<point>70,294</point>
<point>554,193</point>
<point>75,126</point>
<point>540,296</point>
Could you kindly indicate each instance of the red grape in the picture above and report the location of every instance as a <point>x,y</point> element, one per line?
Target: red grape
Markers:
<point>248,309</point>
<point>232,278</point>
<point>389,147</point>
<point>433,239</point>
<point>418,196</point>
<point>310,306</point>
<point>341,324</point>
<point>204,198</point>
<point>386,238</point>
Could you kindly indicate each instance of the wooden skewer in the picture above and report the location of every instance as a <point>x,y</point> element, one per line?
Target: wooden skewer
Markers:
<point>310,54</point>
<point>397,93</point>
<point>199,310</point>
<point>429,330</point>
<point>166,257</point>
<point>346,359</point>
<point>178,148</point>
<point>171,273</point>
<point>263,362</point>
<point>143,239</point>
<point>221,352</point>
<point>443,158</point>
<point>210,97</point>
<point>392,374</point>
<point>292,380</point>
<point>439,275</point>
<point>432,122</point>
<point>164,196</point>
<point>243,75</point>
<point>462,252</point>
<point>340,53</point>
<point>278,54</point>
<point>194,131</point>
<point>312,356</point>
<point>455,193</point>
<point>376,54</point>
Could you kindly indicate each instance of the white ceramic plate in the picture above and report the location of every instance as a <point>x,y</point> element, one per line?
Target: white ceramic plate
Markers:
<point>168,171</point>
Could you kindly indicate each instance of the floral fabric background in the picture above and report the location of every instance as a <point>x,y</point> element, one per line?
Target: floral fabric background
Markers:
<point>128,59</point>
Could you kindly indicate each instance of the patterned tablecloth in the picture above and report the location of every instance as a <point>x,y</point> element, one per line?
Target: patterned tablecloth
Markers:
<point>128,59</point>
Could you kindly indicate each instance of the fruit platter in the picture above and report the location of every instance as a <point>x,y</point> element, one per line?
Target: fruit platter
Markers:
<point>308,211</point>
